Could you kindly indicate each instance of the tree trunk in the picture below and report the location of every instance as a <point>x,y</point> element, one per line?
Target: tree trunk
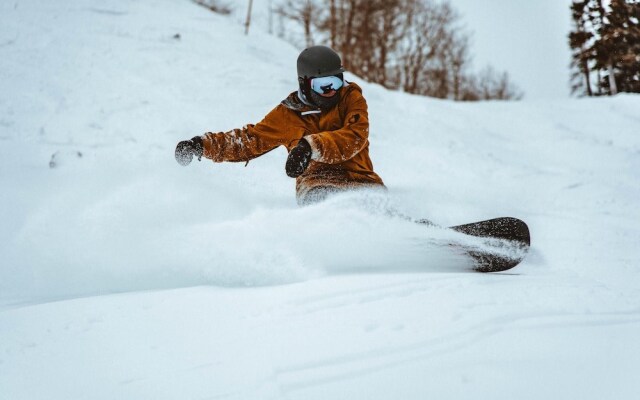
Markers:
<point>587,77</point>
<point>613,88</point>
<point>248,21</point>
<point>307,30</point>
<point>333,23</point>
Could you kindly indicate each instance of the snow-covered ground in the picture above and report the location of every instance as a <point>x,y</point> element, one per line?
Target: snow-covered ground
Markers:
<point>124,275</point>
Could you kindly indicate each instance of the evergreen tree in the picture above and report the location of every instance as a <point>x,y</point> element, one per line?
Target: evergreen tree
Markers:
<point>580,42</point>
<point>620,47</point>
<point>605,47</point>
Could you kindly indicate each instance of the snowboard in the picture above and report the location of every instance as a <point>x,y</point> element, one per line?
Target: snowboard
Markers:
<point>512,235</point>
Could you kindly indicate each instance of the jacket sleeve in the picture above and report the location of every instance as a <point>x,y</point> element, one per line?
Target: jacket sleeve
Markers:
<point>249,142</point>
<point>333,147</point>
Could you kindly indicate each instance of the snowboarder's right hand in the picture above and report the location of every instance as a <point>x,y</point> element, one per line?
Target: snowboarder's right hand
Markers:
<point>186,149</point>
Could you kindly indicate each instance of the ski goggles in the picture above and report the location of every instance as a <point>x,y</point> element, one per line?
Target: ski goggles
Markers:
<point>326,84</point>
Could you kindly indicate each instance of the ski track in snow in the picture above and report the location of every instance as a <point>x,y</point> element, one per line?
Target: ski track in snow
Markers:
<point>123,275</point>
<point>322,372</point>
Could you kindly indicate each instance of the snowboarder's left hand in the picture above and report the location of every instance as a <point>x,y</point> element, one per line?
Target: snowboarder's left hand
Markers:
<point>298,159</point>
<point>186,149</point>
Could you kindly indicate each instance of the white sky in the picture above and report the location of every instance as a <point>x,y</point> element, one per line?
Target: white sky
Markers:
<point>526,38</point>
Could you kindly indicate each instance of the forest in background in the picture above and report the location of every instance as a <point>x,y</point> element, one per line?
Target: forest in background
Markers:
<point>417,46</point>
<point>605,44</point>
<point>422,46</point>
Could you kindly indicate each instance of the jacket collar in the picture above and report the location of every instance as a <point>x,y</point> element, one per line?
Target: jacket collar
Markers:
<point>297,101</point>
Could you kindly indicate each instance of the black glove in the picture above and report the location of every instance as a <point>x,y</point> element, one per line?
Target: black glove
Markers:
<point>298,159</point>
<point>186,149</point>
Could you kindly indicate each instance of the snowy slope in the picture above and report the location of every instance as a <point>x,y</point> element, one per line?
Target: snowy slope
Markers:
<point>124,275</point>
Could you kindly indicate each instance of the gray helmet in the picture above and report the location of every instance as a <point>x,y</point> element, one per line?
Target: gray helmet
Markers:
<point>318,61</point>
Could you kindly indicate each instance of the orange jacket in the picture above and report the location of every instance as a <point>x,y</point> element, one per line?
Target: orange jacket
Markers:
<point>338,139</point>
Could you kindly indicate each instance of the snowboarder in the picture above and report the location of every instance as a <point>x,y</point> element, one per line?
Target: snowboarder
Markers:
<point>324,125</point>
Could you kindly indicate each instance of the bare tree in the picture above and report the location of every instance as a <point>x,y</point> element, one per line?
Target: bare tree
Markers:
<point>458,55</point>
<point>492,85</point>
<point>422,52</point>
<point>302,11</point>
<point>414,45</point>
